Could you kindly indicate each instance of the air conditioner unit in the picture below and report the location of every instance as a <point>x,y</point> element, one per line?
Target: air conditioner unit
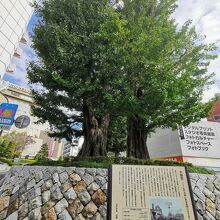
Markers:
<point>3,85</point>
<point>11,68</point>
<point>24,39</point>
<point>18,52</point>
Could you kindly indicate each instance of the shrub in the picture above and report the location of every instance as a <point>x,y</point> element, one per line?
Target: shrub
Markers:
<point>104,162</point>
<point>27,161</point>
<point>6,160</point>
<point>42,155</point>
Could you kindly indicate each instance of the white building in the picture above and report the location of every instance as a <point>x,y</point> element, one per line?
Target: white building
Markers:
<point>22,97</point>
<point>198,143</point>
<point>72,149</point>
<point>14,18</point>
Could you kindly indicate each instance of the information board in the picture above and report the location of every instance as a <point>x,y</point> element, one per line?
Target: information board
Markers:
<point>5,127</point>
<point>7,114</point>
<point>200,139</point>
<point>149,193</point>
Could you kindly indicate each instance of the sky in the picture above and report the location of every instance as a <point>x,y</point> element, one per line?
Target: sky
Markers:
<point>205,15</point>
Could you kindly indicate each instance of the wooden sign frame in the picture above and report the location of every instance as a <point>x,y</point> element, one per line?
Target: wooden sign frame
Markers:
<point>133,193</point>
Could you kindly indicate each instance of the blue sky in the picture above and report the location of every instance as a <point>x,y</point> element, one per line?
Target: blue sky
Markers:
<point>205,15</point>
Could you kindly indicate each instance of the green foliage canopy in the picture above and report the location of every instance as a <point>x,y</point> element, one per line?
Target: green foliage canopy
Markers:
<point>127,61</point>
<point>43,153</point>
<point>77,60</point>
<point>7,148</point>
<point>19,141</point>
<point>165,67</point>
<point>117,135</point>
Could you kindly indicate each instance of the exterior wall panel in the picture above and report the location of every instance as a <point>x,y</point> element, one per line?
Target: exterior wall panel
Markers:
<point>14,18</point>
<point>215,112</point>
<point>164,143</point>
<point>23,98</point>
<point>198,144</point>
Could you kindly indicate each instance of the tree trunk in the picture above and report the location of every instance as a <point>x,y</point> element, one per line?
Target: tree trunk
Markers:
<point>95,134</point>
<point>137,138</point>
<point>117,154</point>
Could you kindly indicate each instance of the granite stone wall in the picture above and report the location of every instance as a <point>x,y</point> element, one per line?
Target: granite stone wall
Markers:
<point>206,192</point>
<point>77,193</point>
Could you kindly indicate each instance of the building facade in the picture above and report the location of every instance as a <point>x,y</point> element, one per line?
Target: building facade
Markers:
<point>215,112</point>
<point>38,132</point>
<point>14,18</point>
<point>197,143</point>
<point>72,149</point>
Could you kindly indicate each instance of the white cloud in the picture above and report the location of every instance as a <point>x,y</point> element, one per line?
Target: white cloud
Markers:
<point>205,15</point>
<point>208,94</point>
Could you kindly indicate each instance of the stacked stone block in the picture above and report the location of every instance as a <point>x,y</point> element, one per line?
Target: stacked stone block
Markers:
<point>50,193</point>
<point>54,193</point>
<point>206,192</point>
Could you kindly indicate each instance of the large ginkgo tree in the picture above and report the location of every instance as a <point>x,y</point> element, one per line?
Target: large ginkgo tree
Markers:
<point>99,59</point>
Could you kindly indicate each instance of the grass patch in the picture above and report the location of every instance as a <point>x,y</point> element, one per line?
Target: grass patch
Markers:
<point>27,161</point>
<point>11,162</point>
<point>202,170</point>
<point>6,160</point>
<point>104,162</point>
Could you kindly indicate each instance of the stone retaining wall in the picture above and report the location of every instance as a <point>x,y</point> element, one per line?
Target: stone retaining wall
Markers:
<point>77,193</point>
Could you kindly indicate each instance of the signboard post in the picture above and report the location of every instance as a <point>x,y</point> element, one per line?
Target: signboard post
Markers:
<point>7,114</point>
<point>22,121</point>
<point>149,193</point>
<point>200,139</point>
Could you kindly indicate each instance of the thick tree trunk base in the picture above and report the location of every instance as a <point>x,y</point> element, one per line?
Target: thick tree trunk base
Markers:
<point>137,138</point>
<point>95,134</point>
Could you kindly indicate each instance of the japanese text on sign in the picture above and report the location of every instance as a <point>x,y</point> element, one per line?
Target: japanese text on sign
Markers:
<point>199,138</point>
<point>146,192</point>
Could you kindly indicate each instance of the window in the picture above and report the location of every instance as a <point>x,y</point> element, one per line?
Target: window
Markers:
<point>217,117</point>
